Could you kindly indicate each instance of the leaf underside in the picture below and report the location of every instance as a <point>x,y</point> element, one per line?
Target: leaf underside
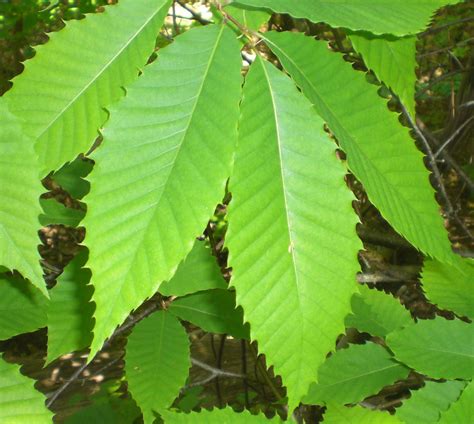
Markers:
<point>399,17</point>
<point>63,113</point>
<point>157,362</point>
<point>161,170</point>
<point>379,150</point>
<point>291,237</point>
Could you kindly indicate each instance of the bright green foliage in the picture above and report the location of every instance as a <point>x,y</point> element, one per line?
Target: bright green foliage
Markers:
<point>56,213</point>
<point>438,348</point>
<point>461,411</point>
<point>199,271</point>
<point>157,362</point>
<point>291,263</point>
<point>400,17</point>
<point>376,312</point>
<point>393,60</point>
<point>379,150</point>
<point>161,170</point>
<point>22,307</point>
<point>63,113</point>
<point>70,310</point>
<point>337,414</point>
<point>251,19</point>
<point>19,207</point>
<point>450,287</point>
<point>426,404</point>
<point>20,403</point>
<point>216,416</point>
<point>71,177</point>
<point>213,311</point>
<point>352,374</point>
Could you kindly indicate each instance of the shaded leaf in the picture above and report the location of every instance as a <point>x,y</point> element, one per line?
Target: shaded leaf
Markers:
<point>350,375</point>
<point>161,170</point>
<point>62,113</point>
<point>438,348</point>
<point>426,404</point>
<point>22,307</point>
<point>376,313</point>
<point>213,311</point>
<point>70,311</point>
<point>157,362</point>
<point>450,287</point>
<point>20,402</point>
<point>400,17</point>
<point>216,416</point>
<point>379,150</point>
<point>71,177</point>
<point>251,19</point>
<point>291,237</point>
<point>20,190</point>
<point>56,213</point>
<point>461,411</point>
<point>337,414</point>
<point>393,61</point>
<point>199,271</point>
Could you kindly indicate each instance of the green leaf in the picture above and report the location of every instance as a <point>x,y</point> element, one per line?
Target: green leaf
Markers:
<point>71,177</point>
<point>337,414</point>
<point>352,374</point>
<point>251,19</point>
<point>161,170</point>
<point>157,362</point>
<point>291,237</point>
<point>400,17</point>
<point>216,416</point>
<point>426,404</point>
<point>22,307</point>
<point>393,61</point>
<point>20,403</point>
<point>376,313</point>
<point>62,93</point>
<point>450,287</point>
<point>56,213</point>
<point>213,311</point>
<point>379,150</point>
<point>199,271</point>
<point>461,411</point>
<point>20,190</point>
<point>438,348</point>
<point>70,310</point>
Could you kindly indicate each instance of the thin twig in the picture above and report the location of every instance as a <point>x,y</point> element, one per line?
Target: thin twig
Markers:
<point>196,16</point>
<point>217,372</point>
<point>84,366</point>
<point>434,167</point>
<point>453,136</point>
<point>444,26</point>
